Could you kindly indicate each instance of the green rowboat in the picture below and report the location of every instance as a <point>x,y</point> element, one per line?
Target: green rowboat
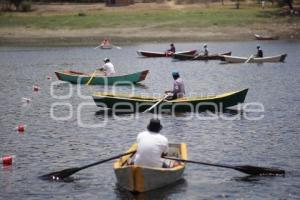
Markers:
<point>121,102</point>
<point>82,78</point>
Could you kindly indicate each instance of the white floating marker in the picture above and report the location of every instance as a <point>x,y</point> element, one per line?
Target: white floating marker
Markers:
<point>36,88</point>
<point>26,100</point>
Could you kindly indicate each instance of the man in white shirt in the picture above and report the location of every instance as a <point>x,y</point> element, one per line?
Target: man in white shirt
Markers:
<point>151,146</point>
<point>108,68</point>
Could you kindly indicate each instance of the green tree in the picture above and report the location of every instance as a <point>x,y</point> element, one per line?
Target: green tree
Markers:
<point>16,3</point>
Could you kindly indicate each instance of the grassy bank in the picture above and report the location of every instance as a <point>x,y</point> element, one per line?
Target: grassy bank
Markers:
<point>144,22</point>
<point>143,18</point>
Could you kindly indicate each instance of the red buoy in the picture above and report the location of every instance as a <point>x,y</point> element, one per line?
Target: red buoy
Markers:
<point>36,88</point>
<point>21,128</point>
<point>48,77</point>
<point>7,160</point>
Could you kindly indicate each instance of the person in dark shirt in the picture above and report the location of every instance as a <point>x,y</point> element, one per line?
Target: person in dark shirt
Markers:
<point>172,49</point>
<point>178,87</point>
<point>259,53</point>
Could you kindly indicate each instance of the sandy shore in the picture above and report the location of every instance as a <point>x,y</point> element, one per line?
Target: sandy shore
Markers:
<point>29,37</point>
<point>63,37</point>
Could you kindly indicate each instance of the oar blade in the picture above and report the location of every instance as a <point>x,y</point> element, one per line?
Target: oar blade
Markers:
<point>254,170</point>
<point>58,175</point>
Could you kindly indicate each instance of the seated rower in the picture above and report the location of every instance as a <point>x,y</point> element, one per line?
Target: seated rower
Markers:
<point>151,146</point>
<point>205,52</point>
<point>259,53</point>
<point>172,49</point>
<point>108,68</point>
<point>178,87</point>
<point>105,42</point>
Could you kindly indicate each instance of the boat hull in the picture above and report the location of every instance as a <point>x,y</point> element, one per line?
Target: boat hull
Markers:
<point>82,78</point>
<point>260,37</point>
<point>235,59</point>
<point>121,103</point>
<point>141,179</point>
<point>163,54</point>
<point>106,47</point>
<point>199,57</point>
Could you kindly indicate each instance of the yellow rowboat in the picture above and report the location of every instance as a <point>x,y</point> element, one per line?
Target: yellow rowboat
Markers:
<point>141,179</point>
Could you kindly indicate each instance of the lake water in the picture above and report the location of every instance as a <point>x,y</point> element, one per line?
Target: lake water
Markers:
<point>53,140</point>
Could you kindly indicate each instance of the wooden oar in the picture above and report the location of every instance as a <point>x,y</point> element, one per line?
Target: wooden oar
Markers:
<point>116,46</point>
<point>153,106</point>
<point>91,77</point>
<point>97,46</point>
<point>248,169</point>
<point>68,172</point>
<point>250,57</point>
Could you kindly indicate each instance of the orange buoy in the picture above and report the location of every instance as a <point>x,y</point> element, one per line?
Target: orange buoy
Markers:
<point>36,88</point>
<point>7,160</point>
<point>21,128</point>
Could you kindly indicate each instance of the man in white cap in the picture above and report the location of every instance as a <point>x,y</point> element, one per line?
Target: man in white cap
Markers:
<point>108,68</point>
<point>205,52</point>
<point>151,146</point>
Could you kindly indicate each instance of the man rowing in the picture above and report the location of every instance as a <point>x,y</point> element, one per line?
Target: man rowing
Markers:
<point>178,87</point>
<point>151,146</point>
<point>108,68</point>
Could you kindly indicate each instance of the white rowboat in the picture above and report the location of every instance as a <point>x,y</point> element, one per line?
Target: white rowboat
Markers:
<point>236,59</point>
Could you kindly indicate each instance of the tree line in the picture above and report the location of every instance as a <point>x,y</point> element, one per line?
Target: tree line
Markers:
<point>25,5</point>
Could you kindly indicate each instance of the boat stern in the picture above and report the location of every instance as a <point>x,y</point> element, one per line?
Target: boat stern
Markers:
<point>57,75</point>
<point>282,57</point>
<point>143,75</point>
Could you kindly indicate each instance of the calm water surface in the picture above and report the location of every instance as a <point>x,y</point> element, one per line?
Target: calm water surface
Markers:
<point>48,145</point>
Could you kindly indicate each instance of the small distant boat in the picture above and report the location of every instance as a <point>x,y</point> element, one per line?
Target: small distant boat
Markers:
<point>82,78</point>
<point>199,56</point>
<point>141,179</point>
<point>106,46</point>
<point>236,59</point>
<point>260,37</point>
<point>163,54</point>
<point>186,104</point>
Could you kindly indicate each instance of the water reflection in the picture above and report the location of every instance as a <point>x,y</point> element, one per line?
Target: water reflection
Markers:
<point>226,113</point>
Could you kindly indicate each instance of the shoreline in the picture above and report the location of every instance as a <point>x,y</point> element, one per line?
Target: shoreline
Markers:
<point>93,37</point>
